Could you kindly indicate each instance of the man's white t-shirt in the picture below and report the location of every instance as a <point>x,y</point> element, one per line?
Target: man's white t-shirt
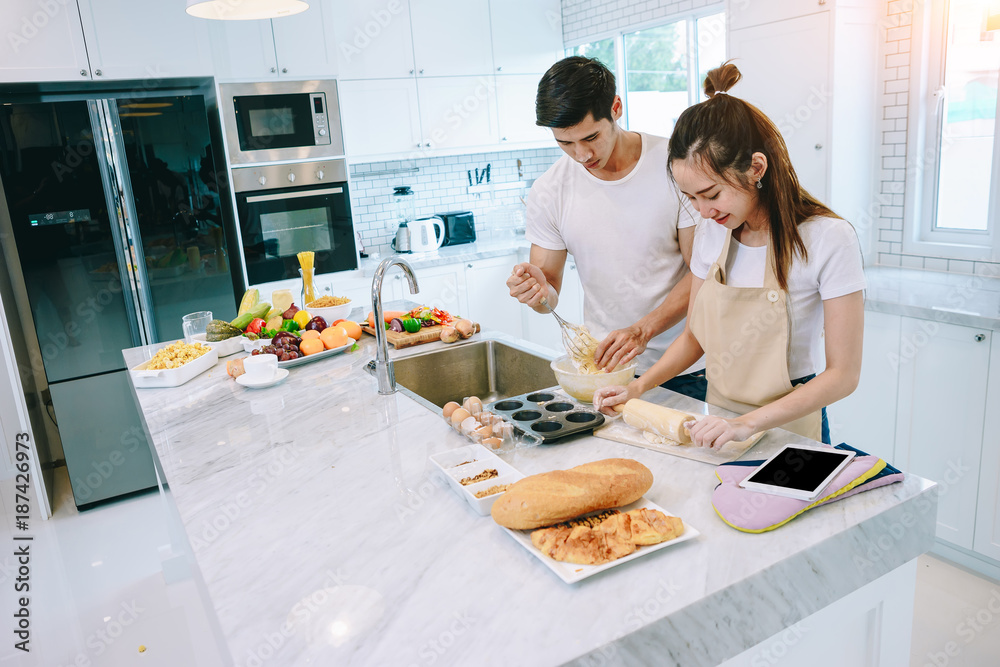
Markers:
<point>834,268</point>
<point>623,235</point>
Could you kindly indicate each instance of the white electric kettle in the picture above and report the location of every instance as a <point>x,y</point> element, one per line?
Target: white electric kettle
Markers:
<point>426,234</point>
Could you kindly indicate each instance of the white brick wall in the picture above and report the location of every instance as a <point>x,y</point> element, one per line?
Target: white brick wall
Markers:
<point>897,24</point>
<point>585,19</point>
<point>440,185</point>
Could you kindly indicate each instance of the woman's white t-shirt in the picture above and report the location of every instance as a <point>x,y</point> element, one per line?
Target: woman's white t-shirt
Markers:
<point>835,268</point>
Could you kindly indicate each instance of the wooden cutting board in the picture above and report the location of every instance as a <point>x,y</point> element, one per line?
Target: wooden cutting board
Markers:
<point>619,431</point>
<point>399,340</point>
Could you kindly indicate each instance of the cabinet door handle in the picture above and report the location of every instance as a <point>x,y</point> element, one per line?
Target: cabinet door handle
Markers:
<point>980,338</point>
<point>83,72</point>
<point>98,72</point>
<point>284,70</point>
<point>273,70</point>
<point>411,71</point>
<point>468,266</point>
<point>420,72</point>
<point>819,147</point>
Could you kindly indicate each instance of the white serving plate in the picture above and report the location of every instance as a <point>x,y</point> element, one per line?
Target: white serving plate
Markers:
<point>483,459</point>
<point>172,377</point>
<point>573,572</point>
<point>223,347</point>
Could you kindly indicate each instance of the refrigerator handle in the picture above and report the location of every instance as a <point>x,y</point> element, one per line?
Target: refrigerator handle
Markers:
<point>124,224</point>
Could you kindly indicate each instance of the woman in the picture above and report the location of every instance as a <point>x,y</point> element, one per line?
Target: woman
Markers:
<point>774,270</point>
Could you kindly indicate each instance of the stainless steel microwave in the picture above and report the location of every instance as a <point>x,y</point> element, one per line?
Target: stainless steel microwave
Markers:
<point>281,120</point>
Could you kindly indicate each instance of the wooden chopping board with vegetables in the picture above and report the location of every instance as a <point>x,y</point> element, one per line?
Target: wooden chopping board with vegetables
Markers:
<point>421,325</point>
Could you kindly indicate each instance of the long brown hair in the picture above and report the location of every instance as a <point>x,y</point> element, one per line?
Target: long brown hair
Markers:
<point>724,132</point>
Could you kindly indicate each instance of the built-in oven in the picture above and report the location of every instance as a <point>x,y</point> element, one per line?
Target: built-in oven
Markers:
<point>285,209</point>
<point>281,120</point>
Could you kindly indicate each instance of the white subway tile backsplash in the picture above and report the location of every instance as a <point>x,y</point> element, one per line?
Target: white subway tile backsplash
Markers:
<point>911,262</point>
<point>935,264</point>
<point>961,266</point>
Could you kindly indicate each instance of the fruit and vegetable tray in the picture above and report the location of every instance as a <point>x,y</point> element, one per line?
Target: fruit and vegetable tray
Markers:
<point>281,328</point>
<point>422,325</point>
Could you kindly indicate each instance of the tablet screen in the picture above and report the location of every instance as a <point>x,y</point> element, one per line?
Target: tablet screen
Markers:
<point>799,469</point>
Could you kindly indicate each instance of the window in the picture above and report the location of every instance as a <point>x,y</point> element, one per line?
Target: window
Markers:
<point>660,69</point>
<point>952,165</point>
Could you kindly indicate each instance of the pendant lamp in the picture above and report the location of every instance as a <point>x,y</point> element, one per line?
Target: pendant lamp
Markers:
<point>244,10</point>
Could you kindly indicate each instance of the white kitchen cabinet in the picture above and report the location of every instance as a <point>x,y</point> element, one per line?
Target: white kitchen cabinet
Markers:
<point>542,328</point>
<point>373,39</point>
<point>489,299</point>
<point>821,55</point>
<point>940,416</point>
<point>302,43</point>
<point>440,287</point>
<point>451,37</point>
<point>744,13</point>
<point>987,537</point>
<point>293,47</point>
<point>867,418</point>
<point>515,95</point>
<point>527,35</point>
<point>457,111</point>
<point>42,44</point>
<point>380,116</point>
<point>148,41</point>
<point>243,50</point>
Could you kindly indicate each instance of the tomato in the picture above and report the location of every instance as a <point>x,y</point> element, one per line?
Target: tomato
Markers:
<point>256,324</point>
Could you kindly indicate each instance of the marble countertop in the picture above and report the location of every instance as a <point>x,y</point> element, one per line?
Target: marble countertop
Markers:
<point>964,299</point>
<point>324,536</point>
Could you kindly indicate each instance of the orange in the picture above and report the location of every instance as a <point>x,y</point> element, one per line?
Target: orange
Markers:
<point>306,335</point>
<point>334,337</point>
<point>311,346</point>
<point>353,329</point>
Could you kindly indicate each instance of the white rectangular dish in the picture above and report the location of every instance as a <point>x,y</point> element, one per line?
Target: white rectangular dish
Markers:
<point>573,572</point>
<point>172,377</point>
<point>223,347</point>
<point>475,459</point>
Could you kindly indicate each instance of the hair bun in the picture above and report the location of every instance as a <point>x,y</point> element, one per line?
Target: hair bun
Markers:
<point>722,78</point>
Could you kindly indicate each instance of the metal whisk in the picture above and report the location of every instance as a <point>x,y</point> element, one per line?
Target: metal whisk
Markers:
<point>576,339</point>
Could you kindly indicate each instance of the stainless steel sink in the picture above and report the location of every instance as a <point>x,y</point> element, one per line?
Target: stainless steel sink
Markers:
<point>488,369</point>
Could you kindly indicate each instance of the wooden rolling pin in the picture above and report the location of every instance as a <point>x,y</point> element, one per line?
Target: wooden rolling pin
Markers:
<point>658,419</point>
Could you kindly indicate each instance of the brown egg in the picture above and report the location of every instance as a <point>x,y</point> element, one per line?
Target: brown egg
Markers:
<point>449,408</point>
<point>493,443</point>
<point>458,416</point>
<point>473,405</point>
<point>485,431</point>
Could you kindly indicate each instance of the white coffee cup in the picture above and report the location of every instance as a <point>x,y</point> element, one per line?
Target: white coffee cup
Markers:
<point>261,367</point>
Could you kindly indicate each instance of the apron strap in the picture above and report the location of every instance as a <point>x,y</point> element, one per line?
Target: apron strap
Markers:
<point>724,256</point>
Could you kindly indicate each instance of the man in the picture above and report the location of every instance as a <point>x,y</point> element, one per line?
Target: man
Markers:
<point>610,202</point>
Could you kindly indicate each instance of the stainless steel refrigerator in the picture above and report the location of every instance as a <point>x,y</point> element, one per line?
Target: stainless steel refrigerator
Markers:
<point>118,222</point>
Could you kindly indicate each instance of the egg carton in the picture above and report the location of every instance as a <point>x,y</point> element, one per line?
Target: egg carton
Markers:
<point>547,414</point>
<point>487,428</point>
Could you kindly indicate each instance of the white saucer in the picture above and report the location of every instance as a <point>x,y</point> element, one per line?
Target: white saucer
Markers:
<point>280,375</point>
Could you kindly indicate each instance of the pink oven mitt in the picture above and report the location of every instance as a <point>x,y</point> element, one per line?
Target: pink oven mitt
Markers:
<point>755,512</point>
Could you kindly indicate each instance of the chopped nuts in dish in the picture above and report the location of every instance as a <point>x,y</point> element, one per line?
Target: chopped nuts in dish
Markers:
<point>489,473</point>
<point>497,488</point>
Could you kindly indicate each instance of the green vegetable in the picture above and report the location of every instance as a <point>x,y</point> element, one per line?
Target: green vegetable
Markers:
<point>353,347</point>
<point>220,330</point>
<point>290,326</point>
<point>411,325</point>
<point>258,311</point>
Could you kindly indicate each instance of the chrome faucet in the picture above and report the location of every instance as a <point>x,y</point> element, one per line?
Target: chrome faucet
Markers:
<point>381,365</point>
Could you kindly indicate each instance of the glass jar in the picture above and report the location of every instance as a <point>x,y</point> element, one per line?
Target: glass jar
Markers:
<point>308,286</point>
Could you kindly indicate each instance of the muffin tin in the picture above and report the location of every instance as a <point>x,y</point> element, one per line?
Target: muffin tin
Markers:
<point>547,414</point>
<point>469,461</point>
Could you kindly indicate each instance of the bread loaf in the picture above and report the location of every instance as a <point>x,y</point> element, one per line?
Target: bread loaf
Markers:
<point>657,419</point>
<point>560,495</point>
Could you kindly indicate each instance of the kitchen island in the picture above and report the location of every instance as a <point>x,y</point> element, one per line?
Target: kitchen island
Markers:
<point>324,536</point>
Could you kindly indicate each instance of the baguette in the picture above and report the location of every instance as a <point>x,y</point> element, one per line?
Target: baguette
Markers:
<point>561,495</point>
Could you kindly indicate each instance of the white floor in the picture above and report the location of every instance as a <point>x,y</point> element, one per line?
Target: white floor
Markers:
<point>98,596</point>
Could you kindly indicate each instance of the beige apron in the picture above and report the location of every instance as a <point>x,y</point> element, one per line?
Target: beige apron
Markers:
<point>744,333</point>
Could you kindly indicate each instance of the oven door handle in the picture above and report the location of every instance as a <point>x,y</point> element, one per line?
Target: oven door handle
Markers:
<point>292,195</point>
